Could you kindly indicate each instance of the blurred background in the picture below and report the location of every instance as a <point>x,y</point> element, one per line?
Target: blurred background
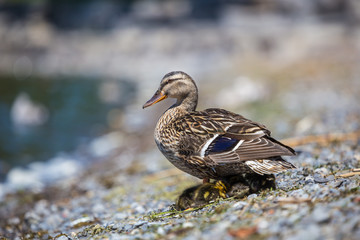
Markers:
<point>75,74</point>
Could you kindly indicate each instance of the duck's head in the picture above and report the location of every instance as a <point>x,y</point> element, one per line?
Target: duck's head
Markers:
<point>177,85</point>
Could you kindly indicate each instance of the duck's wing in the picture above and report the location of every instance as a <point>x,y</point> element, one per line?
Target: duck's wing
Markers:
<point>226,137</point>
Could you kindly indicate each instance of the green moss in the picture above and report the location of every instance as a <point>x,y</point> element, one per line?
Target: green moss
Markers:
<point>37,235</point>
<point>94,230</point>
<point>155,216</point>
<point>115,193</point>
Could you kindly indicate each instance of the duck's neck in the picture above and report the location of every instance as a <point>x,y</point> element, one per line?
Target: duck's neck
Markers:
<point>178,110</point>
<point>188,103</point>
<point>182,107</point>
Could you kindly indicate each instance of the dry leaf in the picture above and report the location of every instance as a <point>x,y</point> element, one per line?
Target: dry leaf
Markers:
<point>243,232</point>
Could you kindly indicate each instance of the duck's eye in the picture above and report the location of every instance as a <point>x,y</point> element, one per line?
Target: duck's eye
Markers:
<point>173,79</point>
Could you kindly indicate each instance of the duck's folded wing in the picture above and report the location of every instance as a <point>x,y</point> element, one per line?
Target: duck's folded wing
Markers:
<point>224,137</point>
<point>261,154</point>
<point>244,150</point>
<point>243,142</point>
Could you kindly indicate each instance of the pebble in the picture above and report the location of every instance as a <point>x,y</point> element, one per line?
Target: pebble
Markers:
<point>128,227</point>
<point>62,238</point>
<point>251,196</point>
<point>263,225</point>
<point>309,180</point>
<point>322,171</point>
<point>239,205</point>
<point>299,193</point>
<point>188,225</point>
<point>321,214</point>
<point>310,232</point>
<point>144,227</point>
<point>139,223</point>
<point>161,231</point>
<point>318,179</point>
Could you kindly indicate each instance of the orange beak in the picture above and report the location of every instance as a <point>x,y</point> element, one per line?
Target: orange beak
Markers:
<point>158,96</point>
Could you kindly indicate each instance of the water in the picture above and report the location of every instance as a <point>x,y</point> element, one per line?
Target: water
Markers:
<point>41,117</point>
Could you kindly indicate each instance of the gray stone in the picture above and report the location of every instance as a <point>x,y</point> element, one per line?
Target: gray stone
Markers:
<point>251,196</point>
<point>321,214</point>
<point>62,238</point>
<point>310,232</point>
<point>309,180</point>
<point>322,171</point>
<point>161,231</point>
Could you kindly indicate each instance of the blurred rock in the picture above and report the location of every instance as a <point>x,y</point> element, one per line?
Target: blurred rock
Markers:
<point>321,214</point>
<point>241,92</point>
<point>25,112</point>
<point>40,174</point>
<point>103,145</point>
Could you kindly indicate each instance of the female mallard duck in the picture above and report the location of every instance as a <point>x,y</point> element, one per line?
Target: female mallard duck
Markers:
<point>213,143</point>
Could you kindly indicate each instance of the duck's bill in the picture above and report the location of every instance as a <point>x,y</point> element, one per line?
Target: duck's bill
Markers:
<point>158,96</point>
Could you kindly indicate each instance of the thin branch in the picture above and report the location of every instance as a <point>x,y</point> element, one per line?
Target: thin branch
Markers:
<point>293,200</point>
<point>353,172</point>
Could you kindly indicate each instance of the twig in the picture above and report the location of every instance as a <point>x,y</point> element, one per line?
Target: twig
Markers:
<point>353,172</point>
<point>291,200</point>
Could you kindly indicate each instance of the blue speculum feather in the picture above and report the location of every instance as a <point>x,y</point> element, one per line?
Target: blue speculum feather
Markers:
<point>221,144</point>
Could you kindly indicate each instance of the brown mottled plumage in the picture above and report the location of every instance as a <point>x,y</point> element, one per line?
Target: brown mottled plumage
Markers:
<point>200,195</point>
<point>213,143</point>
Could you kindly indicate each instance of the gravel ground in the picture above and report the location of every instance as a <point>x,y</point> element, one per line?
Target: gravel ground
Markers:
<point>313,201</point>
